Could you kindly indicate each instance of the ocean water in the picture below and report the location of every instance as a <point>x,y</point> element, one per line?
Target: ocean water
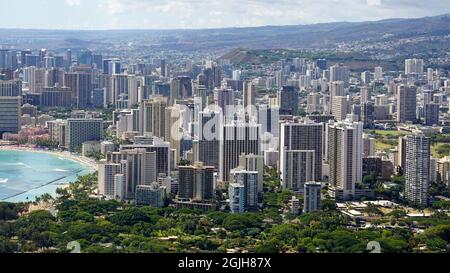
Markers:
<point>26,175</point>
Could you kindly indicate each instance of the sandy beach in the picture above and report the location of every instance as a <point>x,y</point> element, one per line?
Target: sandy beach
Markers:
<point>90,163</point>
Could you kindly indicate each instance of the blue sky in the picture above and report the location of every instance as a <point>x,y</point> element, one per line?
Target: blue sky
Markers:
<point>163,14</point>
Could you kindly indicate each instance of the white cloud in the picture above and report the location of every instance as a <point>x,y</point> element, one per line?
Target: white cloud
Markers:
<point>73,2</point>
<point>374,2</point>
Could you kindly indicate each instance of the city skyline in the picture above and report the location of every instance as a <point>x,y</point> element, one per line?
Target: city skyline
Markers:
<point>181,14</point>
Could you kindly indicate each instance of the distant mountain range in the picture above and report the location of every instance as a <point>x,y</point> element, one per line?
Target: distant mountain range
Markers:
<point>317,36</point>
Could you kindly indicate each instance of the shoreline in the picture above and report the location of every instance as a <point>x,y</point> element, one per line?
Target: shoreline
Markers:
<point>91,164</point>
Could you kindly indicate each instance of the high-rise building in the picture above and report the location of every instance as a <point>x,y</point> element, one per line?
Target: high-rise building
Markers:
<point>236,195</point>
<point>268,117</point>
<point>250,181</point>
<point>340,107</point>
<point>378,74</point>
<point>312,196</point>
<point>431,114</point>
<point>10,113</point>
<point>106,178</point>
<point>365,77</point>
<point>313,104</point>
<point>253,163</point>
<point>301,140</point>
<point>406,104</point>
<point>163,154</point>
<point>417,173</point>
<point>236,75</point>
<point>196,182</point>
<point>208,138</point>
<point>368,115</point>
<point>237,139</point>
<point>153,116</point>
<point>298,168</point>
<point>339,72</point>
<point>288,100</point>
<point>180,88</point>
<point>366,94</point>
<point>81,86</point>
<point>99,97</point>
<point>224,98</point>
<point>12,88</point>
<point>82,130</point>
<point>345,150</point>
<point>414,66</point>
<point>119,87</point>
<point>249,94</point>
<point>138,166</point>
<point>150,195</point>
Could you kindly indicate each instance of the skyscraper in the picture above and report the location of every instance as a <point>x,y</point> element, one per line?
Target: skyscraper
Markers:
<point>298,168</point>
<point>406,104</point>
<point>11,88</point>
<point>301,141</point>
<point>417,168</point>
<point>414,66</point>
<point>153,116</point>
<point>81,86</point>
<point>208,138</point>
<point>249,94</point>
<point>139,168</point>
<point>253,163</point>
<point>237,138</point>
<point>196,182</point>
<point>339,72</point>
<point>312,197</point>
<point>431,114</point>
<point>250,181</point>
<point>368,115</point>
<point>82,130</point>
<point>340,107</point>
<point>236,195</point>
<point>224,98</point>
<point>288,100</point>
<point>345,150</point>
<point>10,113</point>
<point>180,88</point>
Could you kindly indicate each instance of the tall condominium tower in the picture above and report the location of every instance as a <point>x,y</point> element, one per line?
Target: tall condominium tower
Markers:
<point>79,131</point>
<point>312,197</point>
<point>153,116</point>
<point>10,113</point>
<point>288,100</point>
<point>10,88</point>
<point>253,163</point>
<point>431,113</point>
<point>237,138</point>
<point>180,88</point>
<point>339,72</point>
<point>141,168</point>
<point>417,169</point>
<point>196,182</point>
<point>250,181</point>
<point>406,104</point>
<point>345,150</point>
<point>301,154</point>
<point>224,98</point>
<point>414,66</point>
<point>249,94</point>
<point>208,138</point>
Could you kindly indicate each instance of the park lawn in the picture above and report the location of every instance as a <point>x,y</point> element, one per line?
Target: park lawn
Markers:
<point>387,132</point>
<point>380,146</point>
<point>440,150</point>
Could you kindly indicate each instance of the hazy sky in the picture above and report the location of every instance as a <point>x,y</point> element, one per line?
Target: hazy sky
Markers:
<point>157,14</point>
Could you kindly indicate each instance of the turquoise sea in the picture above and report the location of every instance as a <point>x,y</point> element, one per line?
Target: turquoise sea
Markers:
<point>26,175</point>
